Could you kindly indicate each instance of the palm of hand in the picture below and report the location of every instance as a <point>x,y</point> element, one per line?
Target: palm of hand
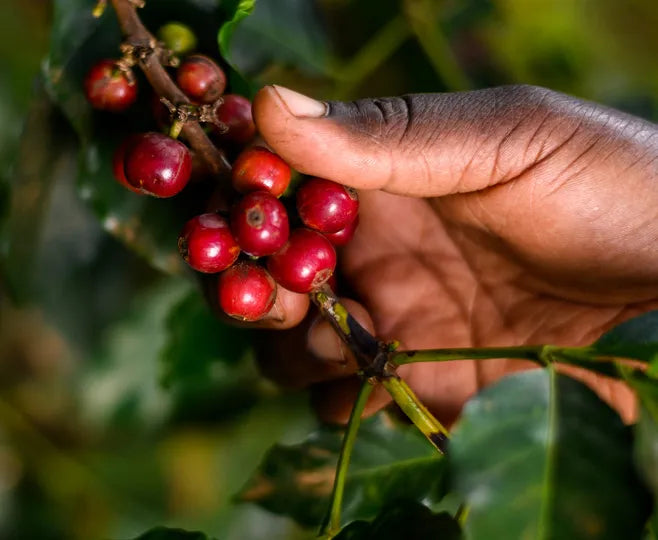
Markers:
<point>435,273</point>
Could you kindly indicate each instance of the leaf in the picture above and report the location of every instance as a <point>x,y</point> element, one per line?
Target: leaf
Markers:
<point>539,455</point>
<point>389,462</point>
<point>404,519</point>
<point>121,387</point>
<point>239,83</point>
<point>646,429</point>
<point>197,340</point>
<point>165,533</point>
<point>636,338</point>
<point>207,364</point>
<point>282,32</point>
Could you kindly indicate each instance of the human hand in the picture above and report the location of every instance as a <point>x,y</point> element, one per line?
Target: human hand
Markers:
<point>506,216</point>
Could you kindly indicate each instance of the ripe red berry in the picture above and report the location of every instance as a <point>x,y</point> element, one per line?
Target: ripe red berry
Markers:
<point>326,206</point>
<point>157,165</point>
<point>118,160</point>
<point>202,80</point>
<point>343,236</point>
<point>258,169</point>
<point>207,245</point>
<point>108,89</point>
<point>246,291</point>
<point>235,113</point>
<point>306,261</point>
<point>260,223</point>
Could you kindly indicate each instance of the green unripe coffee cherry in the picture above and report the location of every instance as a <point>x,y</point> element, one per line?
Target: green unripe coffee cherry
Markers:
<point>177,37</point>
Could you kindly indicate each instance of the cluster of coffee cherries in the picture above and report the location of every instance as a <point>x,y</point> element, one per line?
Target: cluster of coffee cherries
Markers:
<point>257,245</point>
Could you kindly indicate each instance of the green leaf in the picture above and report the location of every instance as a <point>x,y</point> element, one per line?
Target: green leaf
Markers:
<point>636,338</point>
<point>404,519</point>
<point>646,429</point>
<point>539,455</point>
<point>197,341</point>
<point>207,363</point>
<point>165,533</point>
<point>121,387</point>
<point>269,32</point>
<point>389,462</point>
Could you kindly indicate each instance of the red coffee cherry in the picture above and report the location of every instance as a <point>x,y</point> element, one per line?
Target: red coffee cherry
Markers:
<point>246,291</point>
<point>258,169</point>
<point>343,236</point>
<point>118,160</point>
<point>306,261</point>
<point>235,112</point>
<point>326,206</point>
<point>108,89</point>
<point>202,80</point>
<point>260,223</point>
<point>207,245</point>
<point>157,164</point>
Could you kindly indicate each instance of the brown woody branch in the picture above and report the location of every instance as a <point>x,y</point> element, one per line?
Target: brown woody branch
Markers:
<point>136,34</point>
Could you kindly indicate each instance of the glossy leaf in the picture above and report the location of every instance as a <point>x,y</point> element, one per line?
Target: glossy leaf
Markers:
<point>636,338</point>
<point>539,455</point>
<point>165,533</point>
<point>404,519</point>
<point>389,462</point>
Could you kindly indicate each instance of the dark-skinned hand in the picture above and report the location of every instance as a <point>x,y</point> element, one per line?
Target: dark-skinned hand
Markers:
<point>507,216</point>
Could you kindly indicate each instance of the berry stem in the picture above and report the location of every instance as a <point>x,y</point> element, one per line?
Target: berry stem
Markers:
<point>374,358</point>
<point>136,32</point>
<point>331,523</point>
<point>405,398</point>
<point>176,128</point>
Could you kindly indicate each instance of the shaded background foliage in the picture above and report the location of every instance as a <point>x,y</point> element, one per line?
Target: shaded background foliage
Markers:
<point>123,403</point>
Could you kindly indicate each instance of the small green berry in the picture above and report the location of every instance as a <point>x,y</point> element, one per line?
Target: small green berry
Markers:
<point>177,37</point>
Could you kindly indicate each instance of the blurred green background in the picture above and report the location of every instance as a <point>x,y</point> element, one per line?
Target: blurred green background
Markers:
<point>123,404</point>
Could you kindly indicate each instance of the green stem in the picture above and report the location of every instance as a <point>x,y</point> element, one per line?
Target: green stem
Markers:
<point>175,128</point>
<point>331,524</point>
<point>429,426</point>
<point>373,54</point>
<point>422,17</point>
<point>537,353</point>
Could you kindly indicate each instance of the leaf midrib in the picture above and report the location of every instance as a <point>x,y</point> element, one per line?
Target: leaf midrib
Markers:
<point>549,466</point>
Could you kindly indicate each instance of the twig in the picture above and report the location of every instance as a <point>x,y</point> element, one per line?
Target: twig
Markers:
<point>136,33</point>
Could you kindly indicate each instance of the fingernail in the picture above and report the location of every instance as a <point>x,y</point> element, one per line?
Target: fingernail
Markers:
<point>300,105</point>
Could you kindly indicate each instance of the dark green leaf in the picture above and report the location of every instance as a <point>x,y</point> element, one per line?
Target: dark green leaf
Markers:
<point>404,519</point>
<point>539,455</point>
<point>197,340</point>
<point>282,31</point>
<point>389,462</point>
<point>165,533</point>
<point>207,363</point>
<point>646,429</point>
<point>122,386</point>
<point>636,338</point>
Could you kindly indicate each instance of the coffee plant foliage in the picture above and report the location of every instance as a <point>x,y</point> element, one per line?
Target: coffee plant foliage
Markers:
<point>162,422</point>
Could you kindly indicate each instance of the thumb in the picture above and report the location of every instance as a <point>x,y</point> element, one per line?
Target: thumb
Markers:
<point>419,145</point>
